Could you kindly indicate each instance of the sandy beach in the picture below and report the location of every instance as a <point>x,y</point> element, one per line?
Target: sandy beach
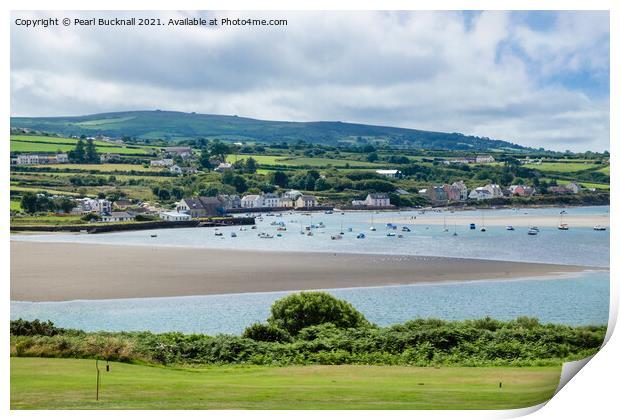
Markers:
<point>517,220</point>
<point>67,271</point>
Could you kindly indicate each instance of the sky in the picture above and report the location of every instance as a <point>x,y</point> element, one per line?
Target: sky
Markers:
<point>539,79</point>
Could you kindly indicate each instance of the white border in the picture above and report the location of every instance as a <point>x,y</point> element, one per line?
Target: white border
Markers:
<point>591,394</point>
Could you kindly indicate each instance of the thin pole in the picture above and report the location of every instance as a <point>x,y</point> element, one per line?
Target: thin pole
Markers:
<point>97,366</point>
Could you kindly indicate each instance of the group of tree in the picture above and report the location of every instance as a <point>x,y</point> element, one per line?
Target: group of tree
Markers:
<point>84,152</point>
<point>39,203</point>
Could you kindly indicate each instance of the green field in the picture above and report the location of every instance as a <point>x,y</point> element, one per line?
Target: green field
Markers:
<point>104,167</point>
<point>38,383</point>
<point>561,166</point>
<point>41,189</point>
<point>302,161</point>
<point>15,205</point>
<point>33,144</point>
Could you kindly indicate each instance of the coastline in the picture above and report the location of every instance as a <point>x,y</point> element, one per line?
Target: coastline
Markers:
<point>516,220</point>
<point>70,271</point>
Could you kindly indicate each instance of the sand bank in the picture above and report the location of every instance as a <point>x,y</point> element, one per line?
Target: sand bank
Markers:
<point>63,271</point>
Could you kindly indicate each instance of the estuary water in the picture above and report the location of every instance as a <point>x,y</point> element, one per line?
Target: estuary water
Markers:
<point>578,299</point>
<point>575,300</point>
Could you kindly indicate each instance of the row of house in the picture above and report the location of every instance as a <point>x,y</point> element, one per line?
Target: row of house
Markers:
<point>290,199</point>
<point>480,159</point>
<point>456,191</point>
<point>37,159</point>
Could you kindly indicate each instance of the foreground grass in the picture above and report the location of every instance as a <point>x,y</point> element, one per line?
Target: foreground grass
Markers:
<point>38,383</point>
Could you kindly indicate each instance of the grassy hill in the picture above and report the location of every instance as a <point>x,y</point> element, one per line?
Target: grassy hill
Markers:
<point>172,126</point>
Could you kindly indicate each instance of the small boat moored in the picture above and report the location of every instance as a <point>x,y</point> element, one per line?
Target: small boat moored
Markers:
<point>600,228</point>
<point>510,227</point>
<point>472,226</point>
<point>361,235</point>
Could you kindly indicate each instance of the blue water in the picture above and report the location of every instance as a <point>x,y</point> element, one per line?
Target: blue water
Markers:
<point>587,247</point>
<point>577,300</point>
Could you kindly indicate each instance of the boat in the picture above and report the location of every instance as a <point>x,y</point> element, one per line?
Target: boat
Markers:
<point>532,232</point>
<point>472,226</point>
<point>243,229</point>
<point>599,228</point>
<point>400,236</point>
<point>264,235</point>
<point>350,229</point>
<point>233,235</point>
<point>219,234</point>
<point>391,234</point>
<point>154,236</point>
<point>281,228</point>
<point>310,234</point>
<point>445,228</point>
<point>254,227</point>
<point>329,212</point>
<point>406,229</point>
<point>510,227</point>
<point>562,225</point>
<point>279,235</point>
<point>372,227</point>
<point>360,235</point>
<point>336,237</point>
<point>483,228</point>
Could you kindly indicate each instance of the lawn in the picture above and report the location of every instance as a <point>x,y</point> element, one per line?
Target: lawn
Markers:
<point>39,383</point>
<point>42,189</point>
<point>302,161</point>
<point>15,205</point>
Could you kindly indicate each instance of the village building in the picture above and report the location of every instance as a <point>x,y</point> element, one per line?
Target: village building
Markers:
<point>230,201</point>
<point>174,216</point>
<point>93,205</point>
<point>198,207</point>
<point>292,194</point>
<point>390,173</point>
<point>306,201</point>
<point>521,190</point>
<point>271,200</point>
<point>485,159</point>
<point>251,201</point>
<point>184,152</point>
<point>287,202</point>
<point>574,187</point>
<point>377,200</point>
<point>480,193</point>
<point>223,166</point>
<point>107,157</point>
<point>162,163</point>
<point>117,216</point>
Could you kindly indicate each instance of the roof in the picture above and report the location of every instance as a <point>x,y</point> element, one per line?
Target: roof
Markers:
<point>201,202</point>
<point>174,214</point>
<point>250,197</point>
<point>378,196</point>
<point>387,171</point>
<point>118,214</point>
<point>307,197</point>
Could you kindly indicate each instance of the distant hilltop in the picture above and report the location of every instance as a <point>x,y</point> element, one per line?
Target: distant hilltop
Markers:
<point>171,126</point>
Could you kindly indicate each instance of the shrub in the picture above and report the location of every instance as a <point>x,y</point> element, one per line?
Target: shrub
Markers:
<point>304,309</point>
<point>267,332</point>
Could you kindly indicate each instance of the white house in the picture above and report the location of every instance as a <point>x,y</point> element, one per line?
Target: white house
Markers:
<point>494,189</point>
<point>223,166</point>
<point>377,200</point>
<point>92,205</point>
<point>292,194</point>
<point>271,200</point>
<point>390,173</point>
<point>573,187</point>
<point>306,201</point>
<point>62,158</point>
<point>117,216</point>
<point>485,159</point>
<point>480,193</point>
<point>176,169</point>
<point>162,163</point>
<point>251,201</point>
<point>174,216</point>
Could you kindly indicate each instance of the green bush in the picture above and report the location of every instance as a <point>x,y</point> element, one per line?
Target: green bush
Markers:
<point>267,332</point>
<point>300,310</point>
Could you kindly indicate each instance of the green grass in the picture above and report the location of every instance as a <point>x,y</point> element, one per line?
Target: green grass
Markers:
<point>51,219</point>
<point>15,205</point>
<point>35,144</point>
<point>562,166</point>
<point>38,383</point>
<point>303,161</point>
<point>104,167</point>
<point>604,170</point>
<point>42,189</point>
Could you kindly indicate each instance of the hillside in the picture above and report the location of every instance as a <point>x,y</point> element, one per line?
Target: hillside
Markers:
<point>172,126</point>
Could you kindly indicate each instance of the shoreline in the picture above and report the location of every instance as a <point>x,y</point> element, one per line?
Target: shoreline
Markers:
<point>44,272</point>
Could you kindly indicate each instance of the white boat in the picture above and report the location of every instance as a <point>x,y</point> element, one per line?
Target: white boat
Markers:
<point>233,235</point>
<point>510,227</point>
<point>562,225</point>
<point>532,231</point>
<point>599,228</point>
<point>391,234</point>
<point>219,234</point>
<point>372,227</point>
<point>336,237</point>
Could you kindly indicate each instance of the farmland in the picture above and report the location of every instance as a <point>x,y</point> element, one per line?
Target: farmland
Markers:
<point>45,144</point>
<point>39,383</point>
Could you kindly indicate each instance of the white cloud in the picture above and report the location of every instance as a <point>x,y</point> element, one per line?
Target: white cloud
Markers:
<point>419,70</point>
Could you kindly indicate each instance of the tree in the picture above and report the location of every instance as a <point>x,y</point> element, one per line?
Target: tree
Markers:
<point>205,160</point>
<point>300,310</point>
<point>220,150</point>
<point>372,157</point>
<point>29,202</point>
<point>239,183</point>
<point>309,183</point>
<point>279,178</point>
<point>90,154</point>
<point>321,185</point>
<point>250,165</point>
<point>78,154</point>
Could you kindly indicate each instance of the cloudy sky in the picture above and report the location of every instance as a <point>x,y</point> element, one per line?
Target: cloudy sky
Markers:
<point>534,78</point>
